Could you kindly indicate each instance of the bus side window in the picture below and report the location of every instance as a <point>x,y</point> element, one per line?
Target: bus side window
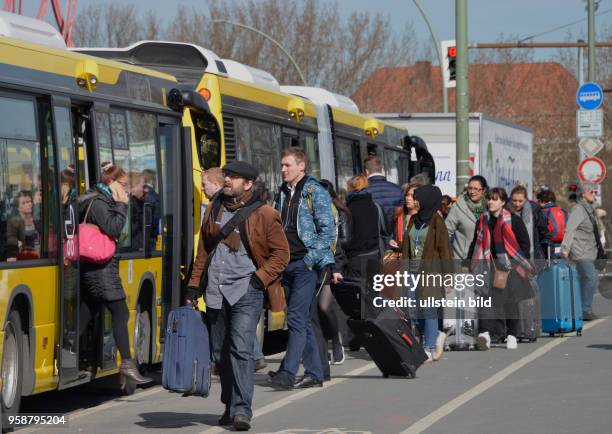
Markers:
<point>310,145</point>
<point>103,132</point>
<point>347,161</point>
<point>143,181</point>
<point>21,194</point>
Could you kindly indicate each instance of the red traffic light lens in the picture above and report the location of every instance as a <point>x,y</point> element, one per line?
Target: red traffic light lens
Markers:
<point>452,51</point>
<point>572,187</point>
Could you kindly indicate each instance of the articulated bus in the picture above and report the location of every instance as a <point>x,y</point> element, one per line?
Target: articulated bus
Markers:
<point>254,119</point>
<point>61,115</point>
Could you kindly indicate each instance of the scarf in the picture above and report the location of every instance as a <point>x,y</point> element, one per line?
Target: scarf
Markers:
<point>232,204</point>
<point>506,245</point>
<point>429,197</point>
<point>104,189</point>
<point>475,208</point>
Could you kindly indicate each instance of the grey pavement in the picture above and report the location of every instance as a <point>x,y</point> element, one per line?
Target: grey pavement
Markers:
<point>555,385</point>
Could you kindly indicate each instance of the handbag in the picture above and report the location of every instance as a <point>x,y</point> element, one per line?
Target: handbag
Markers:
<point>500,277</point>
<point>94,245</point>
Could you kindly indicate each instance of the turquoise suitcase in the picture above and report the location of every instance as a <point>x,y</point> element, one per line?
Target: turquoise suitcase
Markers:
<point>560,299</point>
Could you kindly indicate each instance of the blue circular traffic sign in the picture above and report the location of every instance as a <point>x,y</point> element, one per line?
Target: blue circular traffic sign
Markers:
<point>589,96</point>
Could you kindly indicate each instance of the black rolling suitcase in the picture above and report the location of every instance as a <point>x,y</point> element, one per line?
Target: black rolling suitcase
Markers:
<point>390,341</point>
<point>353,303</point>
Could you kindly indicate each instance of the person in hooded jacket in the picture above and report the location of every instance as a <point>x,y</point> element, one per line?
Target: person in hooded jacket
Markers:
<point>427,247</point>
<point>101,284</point>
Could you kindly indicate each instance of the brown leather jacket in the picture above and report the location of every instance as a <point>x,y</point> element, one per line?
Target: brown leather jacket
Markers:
<point>268,245</point>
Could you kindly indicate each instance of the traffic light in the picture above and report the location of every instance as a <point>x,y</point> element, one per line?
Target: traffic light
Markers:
<point>572,192</point>
<point>451,53</point>
<point>449,57</point>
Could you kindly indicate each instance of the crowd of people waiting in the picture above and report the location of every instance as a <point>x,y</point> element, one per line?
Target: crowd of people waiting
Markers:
<point>291,248</point>
<point>310,238</point>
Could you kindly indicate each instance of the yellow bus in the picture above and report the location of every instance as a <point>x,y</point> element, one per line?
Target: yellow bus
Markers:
<point>61,115</point>
<point>254,119</point>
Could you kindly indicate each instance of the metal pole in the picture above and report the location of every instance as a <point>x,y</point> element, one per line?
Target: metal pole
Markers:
<point>488,45</point>
<point>591,13</point>
<point>580,64</point>
<point>463,102</point>
<point>436,42</point>
<point>580,83</point>
<point>271,39</point>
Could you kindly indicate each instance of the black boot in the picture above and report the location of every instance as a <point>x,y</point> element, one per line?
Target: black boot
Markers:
<point>130,370</point>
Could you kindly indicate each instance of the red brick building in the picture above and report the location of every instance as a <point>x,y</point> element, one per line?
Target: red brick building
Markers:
<point>541,96</point>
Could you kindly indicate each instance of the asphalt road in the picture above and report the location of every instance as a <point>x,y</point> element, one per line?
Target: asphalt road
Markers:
<point>556,385</point>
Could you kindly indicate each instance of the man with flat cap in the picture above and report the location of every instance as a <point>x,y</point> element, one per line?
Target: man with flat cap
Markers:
<point>241,253</point>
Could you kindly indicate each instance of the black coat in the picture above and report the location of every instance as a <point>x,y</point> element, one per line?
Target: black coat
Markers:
<point>101,281</point>
<point>363,228</point>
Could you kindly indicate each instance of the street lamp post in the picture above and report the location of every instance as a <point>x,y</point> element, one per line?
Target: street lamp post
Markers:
<point>462,103</point>
<point>436,42</point>
<point>271,39</point>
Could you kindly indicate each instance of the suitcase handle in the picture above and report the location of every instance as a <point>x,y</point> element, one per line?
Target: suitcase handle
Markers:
<point>406,338</point>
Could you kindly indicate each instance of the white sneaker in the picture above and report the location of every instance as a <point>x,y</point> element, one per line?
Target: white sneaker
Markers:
<point>483,341</point>
<point>429,357</point>
<point>511,343</point>
<point>440,341</point>
<point>449,326</point>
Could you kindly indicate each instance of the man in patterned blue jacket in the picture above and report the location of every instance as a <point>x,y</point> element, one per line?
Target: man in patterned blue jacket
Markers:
<point>306,211</point>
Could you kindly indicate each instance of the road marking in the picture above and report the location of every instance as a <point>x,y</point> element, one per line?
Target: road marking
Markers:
<point>297,396</point>
<point>111,404</point>
<point>424,423</point>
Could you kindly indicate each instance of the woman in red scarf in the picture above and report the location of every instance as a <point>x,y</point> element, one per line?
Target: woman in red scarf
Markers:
<point>501,242</point>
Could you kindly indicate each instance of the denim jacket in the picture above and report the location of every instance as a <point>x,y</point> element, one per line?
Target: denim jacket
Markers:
<point>316,225</point>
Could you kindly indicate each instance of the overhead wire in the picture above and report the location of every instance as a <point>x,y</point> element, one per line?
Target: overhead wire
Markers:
<point>573,23</point>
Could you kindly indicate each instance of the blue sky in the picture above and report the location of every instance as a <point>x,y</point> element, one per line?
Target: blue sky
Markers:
<point>487,19</point>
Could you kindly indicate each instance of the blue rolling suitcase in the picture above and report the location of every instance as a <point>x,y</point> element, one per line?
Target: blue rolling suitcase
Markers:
<point>186,364</point>
<point>560,299</point>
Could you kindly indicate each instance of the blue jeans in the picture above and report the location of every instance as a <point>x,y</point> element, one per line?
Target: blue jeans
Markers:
<point>257,353</point>
<point>300,287</point>
<point>232,332</point>
<point>589,281</point>
<point>427,321</point>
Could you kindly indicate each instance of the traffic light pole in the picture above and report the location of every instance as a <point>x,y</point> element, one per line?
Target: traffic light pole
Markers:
<point>591,20</point>
<point>436,42</point>
<point>462,100</point>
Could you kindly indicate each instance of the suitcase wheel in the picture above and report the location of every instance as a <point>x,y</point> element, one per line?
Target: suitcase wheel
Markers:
<point>579,333</point>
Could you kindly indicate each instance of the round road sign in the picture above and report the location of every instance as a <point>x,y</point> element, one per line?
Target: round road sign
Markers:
<point>592,169</point>
<point>589,96</point>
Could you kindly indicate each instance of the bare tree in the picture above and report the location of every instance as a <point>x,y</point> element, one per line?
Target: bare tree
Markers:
<point>334,53</point>
<point>111,25</point>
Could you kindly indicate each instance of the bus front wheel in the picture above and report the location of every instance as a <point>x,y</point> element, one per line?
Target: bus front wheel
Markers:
<point>12,373</point>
